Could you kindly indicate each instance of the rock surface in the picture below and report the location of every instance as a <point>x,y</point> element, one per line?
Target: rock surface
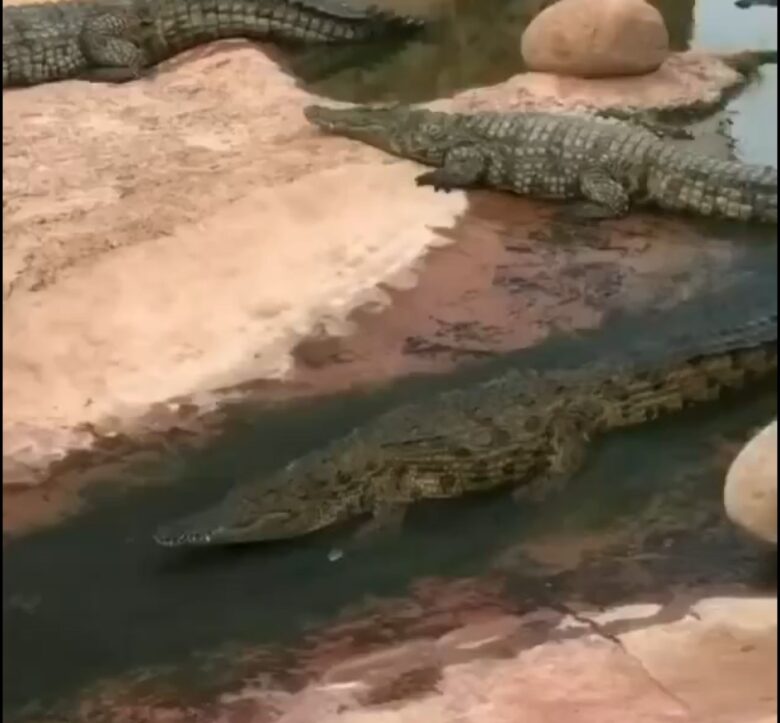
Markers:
<point>596,39</point>
<point>712,660</point>
<point>750,492</point>
<point>691,79</point>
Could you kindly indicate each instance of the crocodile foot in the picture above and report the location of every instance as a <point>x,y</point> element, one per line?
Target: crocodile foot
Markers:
<point>432,178</point>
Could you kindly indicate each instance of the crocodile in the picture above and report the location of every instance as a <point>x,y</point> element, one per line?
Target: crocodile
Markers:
<point>118,40</point>
<point>524,430</point>
<point>605,165</point>
<point>750,3</point>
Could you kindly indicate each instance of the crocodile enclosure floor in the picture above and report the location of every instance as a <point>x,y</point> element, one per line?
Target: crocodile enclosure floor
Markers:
<point>626,597</point>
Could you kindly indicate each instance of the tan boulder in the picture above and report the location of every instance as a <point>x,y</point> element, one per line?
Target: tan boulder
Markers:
<point>596,38</point>
<point>750,493</point>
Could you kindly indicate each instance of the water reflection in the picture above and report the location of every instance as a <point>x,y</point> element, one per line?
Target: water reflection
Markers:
<point>471,43</point>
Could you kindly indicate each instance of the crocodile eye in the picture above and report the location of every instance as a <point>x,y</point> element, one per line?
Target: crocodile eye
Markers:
<point>278,516</point>
<point>243,510</point>
<point>250,518</point>
<point>246,517</point>
<point>433,131</point>
<point>532,424</point>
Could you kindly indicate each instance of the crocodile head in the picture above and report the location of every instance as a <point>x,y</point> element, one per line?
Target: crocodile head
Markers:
<point>407,132</point>
<point>228,524</point>
<point>296,501</point>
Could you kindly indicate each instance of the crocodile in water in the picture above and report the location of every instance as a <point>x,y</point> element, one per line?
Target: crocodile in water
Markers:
<point>606,164</point>
<point>751,3</point>
<point>523,429</point>
<point>115,40</point>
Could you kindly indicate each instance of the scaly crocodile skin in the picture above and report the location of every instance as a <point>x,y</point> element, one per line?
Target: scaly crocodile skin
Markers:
<point>516,430</point>
<point>114,40</point>
<point>608,163</point>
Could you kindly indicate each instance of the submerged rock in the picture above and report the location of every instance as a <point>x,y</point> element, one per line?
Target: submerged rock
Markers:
<point>750,494</point>
<point>596,38</point>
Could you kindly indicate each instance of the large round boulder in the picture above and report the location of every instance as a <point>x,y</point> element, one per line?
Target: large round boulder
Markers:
<point>750,493</point>
<point>596,38</point>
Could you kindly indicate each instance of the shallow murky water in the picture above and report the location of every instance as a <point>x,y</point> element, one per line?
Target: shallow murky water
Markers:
<point>473,43</point>
<point>93,598</point>
<point>753,115</point>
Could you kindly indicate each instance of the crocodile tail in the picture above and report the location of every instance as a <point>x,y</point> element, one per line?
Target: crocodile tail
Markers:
<point>757,332</point>
<point>382,21</point>
<point>747,62</point>
<point>706,186</point>
<point>385,20</point>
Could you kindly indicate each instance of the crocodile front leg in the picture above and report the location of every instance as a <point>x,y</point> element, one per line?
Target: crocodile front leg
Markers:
<point>386,519</point>
<point>568,451</point>
<point>114,57</point>
<point>605,197</point>
<point>462,168</point>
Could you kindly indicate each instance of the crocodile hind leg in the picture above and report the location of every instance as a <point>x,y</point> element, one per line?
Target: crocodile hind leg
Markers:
<point>462,168</point>
<point>114,58</point>
<point>385,519</point>
<point>568,451</point>
<point>605,198</point>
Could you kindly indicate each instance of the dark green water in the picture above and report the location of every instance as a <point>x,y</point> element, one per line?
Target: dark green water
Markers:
<point>107,601</point>
<point>471,43</point>
<point>94,598</point>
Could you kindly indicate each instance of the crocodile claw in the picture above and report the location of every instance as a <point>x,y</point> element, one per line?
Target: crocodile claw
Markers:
<point>432,179</point>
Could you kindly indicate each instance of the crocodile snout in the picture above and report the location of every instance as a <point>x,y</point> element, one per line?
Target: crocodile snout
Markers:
<point>194,531</point>
<point>175,536</point>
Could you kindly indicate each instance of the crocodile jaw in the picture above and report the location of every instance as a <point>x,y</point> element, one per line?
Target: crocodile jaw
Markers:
<point>405,132</point>
<point>377,127</point>
<point>216,526</point>
<point>199,530</point>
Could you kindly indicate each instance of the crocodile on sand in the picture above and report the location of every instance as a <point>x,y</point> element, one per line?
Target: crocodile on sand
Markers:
<point>115,40</point>
<point>605,164</point>
<point>522,430</point>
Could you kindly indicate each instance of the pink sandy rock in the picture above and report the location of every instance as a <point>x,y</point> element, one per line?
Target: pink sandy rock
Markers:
<point>596,39</point>
<point>691,78</point>
<point>497,635</point>
<point>719,661</point>
<point>693,660</point>
<point>714,663</point>
<point>385,663</point>
<point>750,492</point>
